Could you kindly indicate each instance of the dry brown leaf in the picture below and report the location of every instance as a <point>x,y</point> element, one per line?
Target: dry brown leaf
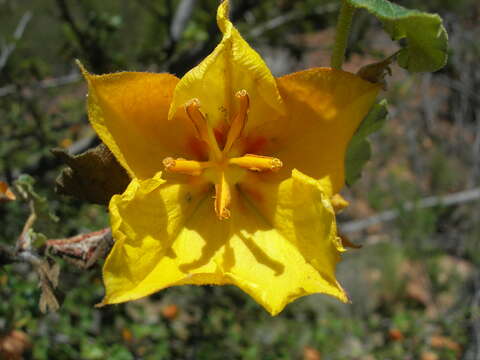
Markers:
<point>444,342</point>
<point>346,243</point>
<point>13,345</point>
<point>127,335</point>
<point>377,71</point>
<point>6,194</point>
<point>451,266</point>
<point>428,355</point>
<point>48,275</point>
<point>309,353</point>
<point>395,335</point>
<point>418,286</point>
<point>93,176</point>
<point>170,311</point>
<point>48,302</point>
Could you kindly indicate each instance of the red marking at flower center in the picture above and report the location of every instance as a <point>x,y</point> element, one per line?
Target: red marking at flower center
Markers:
<point>221,136</point>
<point>255,145</point>
<point>197,149</point>
<point>253,194</point>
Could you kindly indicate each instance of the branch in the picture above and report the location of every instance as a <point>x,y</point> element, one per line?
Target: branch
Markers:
<point>291,16</point>
<point>432,201</point>
<point>8,49</point>
<point>23,247</point>
<point>83,250</point>
<point>7,255</point>
<point>180,19</point>
<point>43,84</point>
<point>68,19</point>
<point>87,40</point>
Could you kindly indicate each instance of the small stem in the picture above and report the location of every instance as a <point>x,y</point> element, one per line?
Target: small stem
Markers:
<point>341,36</point>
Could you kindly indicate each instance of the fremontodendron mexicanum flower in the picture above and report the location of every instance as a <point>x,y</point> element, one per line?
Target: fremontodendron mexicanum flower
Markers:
<point>235,174</point>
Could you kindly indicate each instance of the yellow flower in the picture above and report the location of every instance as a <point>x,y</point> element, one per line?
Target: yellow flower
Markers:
<point>233,173</point>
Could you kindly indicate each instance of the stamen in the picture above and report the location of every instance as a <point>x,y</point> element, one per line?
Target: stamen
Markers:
<point>222,198</point>
<point>238,123</point>
<point>257,162</point>
<point>193,111</point>
<point>187,167</point>
<point>204,131</point>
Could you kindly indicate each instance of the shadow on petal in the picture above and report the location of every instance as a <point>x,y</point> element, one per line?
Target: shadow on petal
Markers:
<point>261,256</point>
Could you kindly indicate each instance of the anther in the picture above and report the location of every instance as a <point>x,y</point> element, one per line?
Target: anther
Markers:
<point>193,111</point>
<point>257,162</point>
<point>240,120</point>
<point>204,131</point>
<point>182,166</point>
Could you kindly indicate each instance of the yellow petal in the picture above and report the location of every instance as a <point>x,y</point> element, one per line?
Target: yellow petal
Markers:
<point>129,111</point>
<point>276,249</point>
<point>291,234</point>
<point>145,221</point>
<point>325,107</point>
<point>339,203</point>
<point>231,67</point>
<point>161,242</point>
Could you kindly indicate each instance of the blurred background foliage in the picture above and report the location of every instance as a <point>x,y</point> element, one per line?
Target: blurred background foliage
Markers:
<point>415,285</point>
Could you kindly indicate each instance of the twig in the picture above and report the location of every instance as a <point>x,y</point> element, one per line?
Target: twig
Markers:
<point>68,19</point>
<point>291,16</point>
<point>7,255</point>
<point>88,41</point>
<point>476,151</point>
<point>447,200</point>
<point>24,242</point>
<point>180,19</point>
<point>43,84</point>
<point>17,35</point>
<point>457,86</point>
<point>23,247</point>
<point>83,250</point>
<point>473,350</point>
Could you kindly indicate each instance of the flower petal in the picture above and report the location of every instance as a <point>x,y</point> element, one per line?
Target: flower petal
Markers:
<point>231,67</point>
<point>286,243</point>
<point>145,221</point>
<point>128,110</point>
<point>276,249</point>
<point>325,107</point>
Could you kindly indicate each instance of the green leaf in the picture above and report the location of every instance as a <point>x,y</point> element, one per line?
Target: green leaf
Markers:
<point>359,150</point>
<point>426,42</point>
<point>25,186</point>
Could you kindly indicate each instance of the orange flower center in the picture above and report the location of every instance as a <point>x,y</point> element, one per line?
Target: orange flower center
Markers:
<point>221,169</point>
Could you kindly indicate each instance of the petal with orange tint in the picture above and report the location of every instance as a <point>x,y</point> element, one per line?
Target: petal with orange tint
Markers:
<point>325,107</point>
<point>128,110</point>
<point>231,67</point>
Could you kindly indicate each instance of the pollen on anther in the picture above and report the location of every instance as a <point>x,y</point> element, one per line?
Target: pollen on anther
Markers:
<point>276,164</point>
<point>225,214</point>
<point>169,163</point>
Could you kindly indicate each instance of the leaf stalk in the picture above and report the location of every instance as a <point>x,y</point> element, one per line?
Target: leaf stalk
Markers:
<point>341,34</point>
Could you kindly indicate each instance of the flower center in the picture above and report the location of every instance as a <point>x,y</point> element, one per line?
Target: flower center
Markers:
<point>221,169</point>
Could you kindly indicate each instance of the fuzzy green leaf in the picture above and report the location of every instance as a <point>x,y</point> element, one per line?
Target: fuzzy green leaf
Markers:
<point>359,150</point>
<point>426,42</point>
